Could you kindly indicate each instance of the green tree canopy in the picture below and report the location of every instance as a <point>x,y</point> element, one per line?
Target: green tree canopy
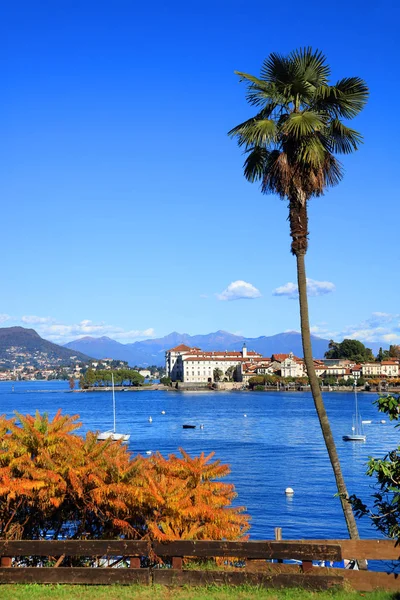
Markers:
<point>349,349</point>
<point>218,374</point>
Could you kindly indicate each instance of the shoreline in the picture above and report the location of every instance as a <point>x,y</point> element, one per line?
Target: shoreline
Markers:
<point>200,388</point>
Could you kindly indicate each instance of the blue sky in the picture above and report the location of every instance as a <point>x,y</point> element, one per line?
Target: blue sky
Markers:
<point>124,208</point>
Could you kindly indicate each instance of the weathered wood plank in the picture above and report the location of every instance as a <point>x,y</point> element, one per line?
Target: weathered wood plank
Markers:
<point>262,566</point>
<point>362,581</point>
<point>196,578</point>
<point>264,549</point>
<point>72,575</point>
<point>367,581</point>
<point>73,548</point>
<point>362,549</point>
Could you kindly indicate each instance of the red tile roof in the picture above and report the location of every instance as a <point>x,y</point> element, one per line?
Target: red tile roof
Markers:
<point>181,348</point>
<point>214,358</point>
<point>282,357</point>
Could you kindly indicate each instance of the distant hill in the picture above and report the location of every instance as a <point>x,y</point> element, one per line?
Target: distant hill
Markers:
<point>18,344</point>
<point>152,352</point>
<point>102,347</point>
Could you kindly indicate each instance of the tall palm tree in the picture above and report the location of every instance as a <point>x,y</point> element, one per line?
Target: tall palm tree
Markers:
<point>290,147</point>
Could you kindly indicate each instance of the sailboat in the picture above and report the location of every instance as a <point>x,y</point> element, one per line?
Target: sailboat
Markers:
<point>357,434</point>
<point>112,434</point>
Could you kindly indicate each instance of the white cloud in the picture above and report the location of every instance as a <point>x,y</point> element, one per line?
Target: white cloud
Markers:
<point>239,290</point>
<point>391,337</point>
<point>4,318</point>
<point>34,320</point>
<point>379,327</point>
<point>314,288</point>
<point>380,318</point>
<point>61,333</point>
<point>289,289</point>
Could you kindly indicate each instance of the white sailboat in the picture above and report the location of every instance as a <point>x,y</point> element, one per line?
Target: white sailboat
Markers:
<point>357,434</point>
<point>112,433</point>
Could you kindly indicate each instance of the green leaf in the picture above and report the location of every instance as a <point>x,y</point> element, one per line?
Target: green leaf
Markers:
<point>303,124</point>
<point>254,164</point>
<point>310,65</point>
<point>342,139</point>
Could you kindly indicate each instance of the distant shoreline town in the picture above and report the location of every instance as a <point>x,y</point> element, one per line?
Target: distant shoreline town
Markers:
<point>24,355</point>
<point>193,366</point>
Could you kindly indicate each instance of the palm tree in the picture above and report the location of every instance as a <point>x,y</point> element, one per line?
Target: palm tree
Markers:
<point>290,145</point>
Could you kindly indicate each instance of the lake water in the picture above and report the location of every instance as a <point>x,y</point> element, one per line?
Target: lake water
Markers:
<point>279,444</point>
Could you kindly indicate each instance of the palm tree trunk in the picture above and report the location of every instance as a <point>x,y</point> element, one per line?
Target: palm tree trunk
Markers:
<point>318,401</point>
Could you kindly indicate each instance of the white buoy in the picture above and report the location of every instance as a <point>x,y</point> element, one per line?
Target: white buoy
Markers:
<point>150,420</point>
<point>163,412</point>
<point>245,415</point>
<point>289,491</point>
<point>201,426</point>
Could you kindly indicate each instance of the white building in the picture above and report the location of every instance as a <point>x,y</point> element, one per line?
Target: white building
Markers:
<point>390,368</point>
<point>292,366</point>
<point>371,369</point>
<point>193,365</point>
<point>145,373</point>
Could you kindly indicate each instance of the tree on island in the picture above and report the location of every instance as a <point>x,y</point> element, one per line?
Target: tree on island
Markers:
<point>350,350</point>
<point>290,147</point>
<point>218,374</point>
<point>71,383</point>
<point>230,373</point>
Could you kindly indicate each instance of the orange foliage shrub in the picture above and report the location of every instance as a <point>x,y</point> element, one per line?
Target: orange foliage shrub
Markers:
<point>56,484</point>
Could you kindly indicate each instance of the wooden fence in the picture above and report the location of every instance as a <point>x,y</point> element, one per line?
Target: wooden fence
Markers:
<point>247,562</point>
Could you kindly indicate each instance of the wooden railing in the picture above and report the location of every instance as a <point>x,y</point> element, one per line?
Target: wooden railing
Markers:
<point>253,567</point>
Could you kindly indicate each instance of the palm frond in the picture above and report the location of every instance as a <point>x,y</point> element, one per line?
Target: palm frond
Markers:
<point>353,97</point>
<point>276,69</point>
<point>310,66</point>
<point>333,170</point>
<point>345,99</point>
<point>303,124</point>
<point>342,139</point>
<point>259,82</point>
<point>254,164</point>
<point>255,131</point>
<point>310,153</point>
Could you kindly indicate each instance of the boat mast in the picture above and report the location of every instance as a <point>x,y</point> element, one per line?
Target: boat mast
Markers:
<point>356,417</point>
<point>113,397</point>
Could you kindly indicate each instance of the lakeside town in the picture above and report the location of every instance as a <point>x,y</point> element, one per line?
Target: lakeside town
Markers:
<point>191,367</point>
<point>39,366</point>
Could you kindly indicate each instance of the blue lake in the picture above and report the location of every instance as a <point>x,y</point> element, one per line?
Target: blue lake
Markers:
<point>279,444</point>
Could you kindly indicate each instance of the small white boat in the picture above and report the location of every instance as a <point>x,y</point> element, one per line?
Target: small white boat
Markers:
<point>356,434</point>
<point>365,422</point>
<point>150,420</point>
<point>111,434</point>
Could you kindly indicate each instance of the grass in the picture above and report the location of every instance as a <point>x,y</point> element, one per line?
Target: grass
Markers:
<point>138,592</point>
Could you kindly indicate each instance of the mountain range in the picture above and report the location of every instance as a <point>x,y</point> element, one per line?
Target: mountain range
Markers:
<point>152,352</point>
<point>21,345</point>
